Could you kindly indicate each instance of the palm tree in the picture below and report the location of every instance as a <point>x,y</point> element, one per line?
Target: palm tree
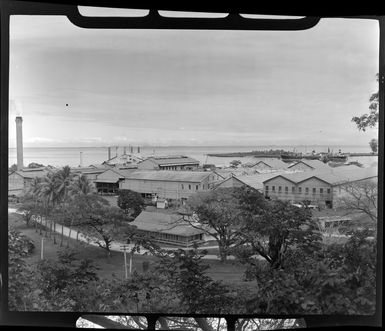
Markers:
<point>48,191</point>
<point>63,180</point>
<point>81,185</point>
<point>35,188</point>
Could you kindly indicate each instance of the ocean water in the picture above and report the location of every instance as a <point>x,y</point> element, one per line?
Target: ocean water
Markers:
<point>61,156</point>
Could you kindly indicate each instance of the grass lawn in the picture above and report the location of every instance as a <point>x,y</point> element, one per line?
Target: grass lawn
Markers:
<point>230,271</point>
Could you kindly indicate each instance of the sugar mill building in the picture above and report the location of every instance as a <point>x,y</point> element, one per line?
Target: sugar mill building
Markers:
<point>19,181</point>
<point>169,184</point>
<point>323,188</point>
<point>176,162</point>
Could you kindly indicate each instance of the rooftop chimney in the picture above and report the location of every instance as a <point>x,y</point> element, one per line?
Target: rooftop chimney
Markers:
<point>19,142</point>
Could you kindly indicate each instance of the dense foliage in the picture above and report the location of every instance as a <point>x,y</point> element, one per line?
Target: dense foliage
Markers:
<point>131,202</point>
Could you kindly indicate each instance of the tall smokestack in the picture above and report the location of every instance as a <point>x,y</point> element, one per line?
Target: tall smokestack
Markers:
<point>116,150</point>
<point>109,153</point>
<point>19,142</point>
<point>138,149</point>
<point>124,150</point>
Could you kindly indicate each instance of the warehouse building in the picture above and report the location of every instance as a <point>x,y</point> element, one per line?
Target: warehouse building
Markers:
<point>306,165</point>
<point>19,181</point>
<point>322,188</point>
<point>175,162</point>
<point>269,165</point>
<point>168,184</point>
<point>168,228</point>
<point>107,183</point>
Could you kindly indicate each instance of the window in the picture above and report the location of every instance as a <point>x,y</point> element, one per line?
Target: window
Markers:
<point>267,188</point>
<point>293,189</point>
<point>196,187</point>
<point>328,190</point>
<point>299,189</point>
<point>279,189</point>
<point>189,187</point>
<point>306,190</point>
<point>286,189</point>
<point>321,190</point>
<point>182,187</point>
<point>273,188</point>
<point>314,190</point>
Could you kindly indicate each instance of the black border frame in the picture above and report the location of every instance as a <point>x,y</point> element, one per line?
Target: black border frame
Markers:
<point>154,21</point>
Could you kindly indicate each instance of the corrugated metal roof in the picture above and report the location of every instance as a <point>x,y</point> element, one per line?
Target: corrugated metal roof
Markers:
<point>172,160</point>
<point>316,164</point>
<point>169,175</point>
<point>256,181</point>
<point>333,176</point>
<point>164,223</point>
<point>273,163</point>
<point>31,174</point>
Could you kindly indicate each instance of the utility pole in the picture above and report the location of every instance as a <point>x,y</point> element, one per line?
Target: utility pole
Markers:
<point>124,248</point>
<point>42,249</point>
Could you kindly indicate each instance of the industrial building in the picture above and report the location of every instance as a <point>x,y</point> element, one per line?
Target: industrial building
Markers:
<point>167,228</point>
<point>306,165</point>
<point>269,165</point>
<point>174,162</point>
<point>319,187</point>
<point>253,181</point>
<point>108,181</point>
<point>19,181</point>
<point>168,184</point>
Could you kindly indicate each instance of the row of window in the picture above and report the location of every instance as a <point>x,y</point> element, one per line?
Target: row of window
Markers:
<point>190,187</point>
<point>314,190</point>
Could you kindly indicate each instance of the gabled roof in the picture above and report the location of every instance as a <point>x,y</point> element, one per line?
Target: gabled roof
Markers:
<point>172,160</point>
<point>273,163</point>
<point>30,173</point>
<point>164,223</point>
<point>88,170</point>
<point>169,175</point>
<point>315,164</point>
<point>332,176</point>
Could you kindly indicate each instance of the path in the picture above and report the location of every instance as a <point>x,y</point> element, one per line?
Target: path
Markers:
<point>115,245</point>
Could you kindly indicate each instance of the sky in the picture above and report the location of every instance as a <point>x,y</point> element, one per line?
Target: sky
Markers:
<point>88,87</point>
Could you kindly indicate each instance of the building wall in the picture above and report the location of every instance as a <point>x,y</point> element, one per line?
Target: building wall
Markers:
<point>314,190</point>
<point>150,165</point>
<point>231,182</point>
<point>165,189</point>
<point>16,184</point>
<point>147,165</point>
<point>276,189</point>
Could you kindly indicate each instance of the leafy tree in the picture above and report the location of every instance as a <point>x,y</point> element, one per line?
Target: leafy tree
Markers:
<point>19,276</point>
<point>338,279</point>
<point>235,163</point>
<point>81,185</point>
<point>373,145</point>
<point>369,120</point>
<point>217,213</point>
<point>360,197</point>
<point>35,165</point>
<point>48,190</point>
<point>13,167</point>
<point>185,274</point>
<point>29,207</point>
<point>63,181</point>
<point>101,223</point>
<point>272,231</point>
<point>131,202</point>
